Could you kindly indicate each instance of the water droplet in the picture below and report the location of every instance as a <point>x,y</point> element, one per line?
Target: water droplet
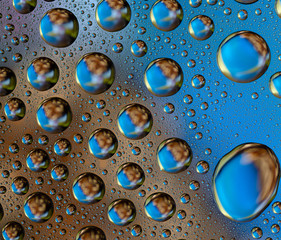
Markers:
<point>138,48</point>
<point>198,81</point>
<point>103,143</point>
<point>54,115</point>
<point>243,56</point>
<point>37,160</point>
<point>43,73</point>
<point>95,73</point>
<point>163,77</point>
<point>130,176</point>
<point>88,188</point>
<point>245,181</point>
<point>24,7</point>
<point>59,172</point>
<point>166,15</point>
<point>90,233</point>
<point>38,207</point>
<point>15,109</point>
<point>8,81</point>
<point>135,121</point>
<point>201,27</point>
<point>20,185</point>
<point>13,231</point>
<point>160,207</point>
<point>121,212</point>
<point>174,155</point>
<point>59,27</point>
<point>62,147</point>
<point>113,15</point>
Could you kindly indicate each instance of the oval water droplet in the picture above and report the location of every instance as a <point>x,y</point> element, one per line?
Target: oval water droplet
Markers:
<point>245,181</point>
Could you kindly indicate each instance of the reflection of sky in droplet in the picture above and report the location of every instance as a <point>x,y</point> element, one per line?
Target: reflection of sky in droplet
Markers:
<point>275,84</point>
<point>59,27</point>
<point>163,77</point>
<point>130,176</point>
<point>103,143</point>
<point>245,181</point>
<point>160,207</point>
<point>54,115</point>
<point>174,155</point>
<point>43,73</point>
<point>95,73</point>
<point>24,6</point>
<point>166,15</point>
<point>135,121</point>
<point>38,207</point>
<point>88,188</point>
<point>201,27</point>
<point>113,16</point>
<point>121,212</point>
<point>243,56</point>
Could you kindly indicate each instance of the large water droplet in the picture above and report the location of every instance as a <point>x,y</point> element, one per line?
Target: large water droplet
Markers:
<point>59,27</point>
<point>166,15</point>
<point>24,7</point>
<point>130,176</point>
<point>43,73</point>
<point>38,207</point>
<point>174,155</point>
<point>95,73</point>
<point>54,115</point>
<point>121,212</point>
<point>243,56</point>
<point>163,77</point>
<point>90,233</point>
<point>38,160</point>
<point>88,188</point>
<point>246,1</point>
<point>13,231</point>
<point>8,81</point>
<point>160,207</point>
<point>135,121</point>
<point>201,27</point>
<point>15,109</point>
<point>103,143</point>
<point>245,181</point>
<point>113,15</point>
<point>20,185</point>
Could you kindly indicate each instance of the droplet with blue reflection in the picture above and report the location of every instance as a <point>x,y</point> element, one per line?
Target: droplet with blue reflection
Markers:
<point>59,27</point>
<point>121,212</point>
<point>38,207</point>
<point>166,15</point>
<point>88,188</point>
<point>113,15</point>
<point>135,121</point>
<point>37,160</point>
<point>243,56</point>
<point>174,155</point>
<point>43,73</point>
<point>103,143</point>
<point>130,176</point>
<point>8,81</point>
<point>24,6</point>
<point>160,206</point>
<point>54,115</point>
<point>163,77</point>
<point>245,181</point>
<point>15,109</point>
<point>95,73</point>
<point>201,27</point>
